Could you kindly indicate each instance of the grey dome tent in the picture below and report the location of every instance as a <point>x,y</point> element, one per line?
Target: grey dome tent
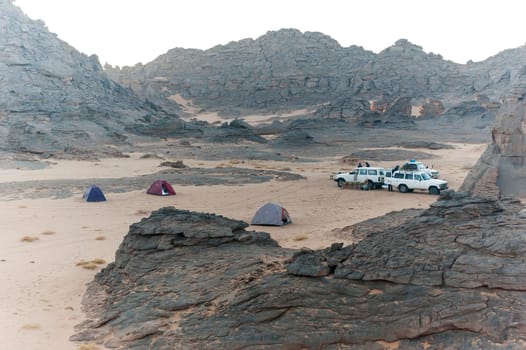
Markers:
<point>271,214</point>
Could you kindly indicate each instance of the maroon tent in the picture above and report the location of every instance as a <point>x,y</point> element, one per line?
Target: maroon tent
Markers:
<point>161,188</point>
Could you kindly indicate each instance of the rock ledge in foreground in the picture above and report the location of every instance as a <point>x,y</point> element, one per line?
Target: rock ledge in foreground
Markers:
<point>452,276</point>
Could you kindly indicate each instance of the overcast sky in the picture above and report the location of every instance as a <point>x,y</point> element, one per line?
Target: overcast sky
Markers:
<point>126,32</point>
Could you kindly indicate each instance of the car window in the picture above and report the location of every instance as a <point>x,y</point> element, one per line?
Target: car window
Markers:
<point>381,172</point>
<point>363,172</point>
<point>371,171</point>
<point>387,174</point>
<point>417,177</point>
<point>425,176</point>
<point>409,176</point>
<point>399,176</point>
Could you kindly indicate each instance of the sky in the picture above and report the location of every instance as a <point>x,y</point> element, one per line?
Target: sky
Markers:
<point>127,32</point>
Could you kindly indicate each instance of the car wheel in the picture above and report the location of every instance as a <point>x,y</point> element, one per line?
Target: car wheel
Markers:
<point>370,185</point>
<point>434,190</point>
<point>403,189</point>
<point>341,182</point>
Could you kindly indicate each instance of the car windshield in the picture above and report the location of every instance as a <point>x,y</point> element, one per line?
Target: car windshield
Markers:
<point>425,176</point>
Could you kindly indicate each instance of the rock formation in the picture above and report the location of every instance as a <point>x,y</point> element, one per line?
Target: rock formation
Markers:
<point>234,132</point>
<point>291,69</point>
<point>502,168</point>
<point>453,276</point>
<point>55,100</point>
<point>139,300</point>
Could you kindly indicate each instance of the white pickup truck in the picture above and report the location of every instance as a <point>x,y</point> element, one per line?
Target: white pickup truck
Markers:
<point>408,181</point>
<point>372,176</point>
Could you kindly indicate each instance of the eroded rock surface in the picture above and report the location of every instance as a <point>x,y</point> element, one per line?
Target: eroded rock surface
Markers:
<point>289,69</point>
<point>455,275</point>
<point>55,100</point>
<point>174,261</point>
<point>501,170</point>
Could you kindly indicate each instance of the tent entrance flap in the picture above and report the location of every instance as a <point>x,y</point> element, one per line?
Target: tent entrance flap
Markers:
<point>161,188</point>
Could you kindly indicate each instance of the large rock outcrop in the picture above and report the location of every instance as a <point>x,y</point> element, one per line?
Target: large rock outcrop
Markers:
<point>54,100</point>
<point>502,168</point>
<point>453,276</point>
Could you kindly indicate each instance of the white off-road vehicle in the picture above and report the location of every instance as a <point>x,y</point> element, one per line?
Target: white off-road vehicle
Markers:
<point>372,176</point>
<point>408,181</point>
<point>413,165</point>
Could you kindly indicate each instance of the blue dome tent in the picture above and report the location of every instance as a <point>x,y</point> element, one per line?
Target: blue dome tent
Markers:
<point>93,194</point>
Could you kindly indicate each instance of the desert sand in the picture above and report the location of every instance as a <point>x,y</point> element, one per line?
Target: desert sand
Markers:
<point>45,242</point>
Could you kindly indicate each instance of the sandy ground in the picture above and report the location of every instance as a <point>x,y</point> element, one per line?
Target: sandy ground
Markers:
<point>194,112</point>
<point>40,298</point>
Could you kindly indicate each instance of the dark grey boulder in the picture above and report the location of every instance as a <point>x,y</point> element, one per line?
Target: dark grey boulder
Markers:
<point>294,137</point>
<point>233,132</point>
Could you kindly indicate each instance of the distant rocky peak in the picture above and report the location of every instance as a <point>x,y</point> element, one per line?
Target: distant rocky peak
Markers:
<point>402,47</point>
<point>404,43</point>
<point>283,36</point>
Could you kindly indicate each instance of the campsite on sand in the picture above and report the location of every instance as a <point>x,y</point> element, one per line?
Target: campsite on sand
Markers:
<point>52,242</point>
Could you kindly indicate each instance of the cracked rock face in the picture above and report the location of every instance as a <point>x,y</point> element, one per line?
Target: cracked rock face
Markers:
<point>502,168</point>
<point>454,275</point>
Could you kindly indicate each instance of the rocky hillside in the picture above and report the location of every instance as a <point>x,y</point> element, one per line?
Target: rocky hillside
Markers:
<point>290,69</point>
<point>55,100</point>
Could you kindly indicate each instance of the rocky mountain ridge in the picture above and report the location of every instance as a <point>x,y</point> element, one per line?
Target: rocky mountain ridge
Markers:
<point>291,69</point>
<point>57,101</point>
